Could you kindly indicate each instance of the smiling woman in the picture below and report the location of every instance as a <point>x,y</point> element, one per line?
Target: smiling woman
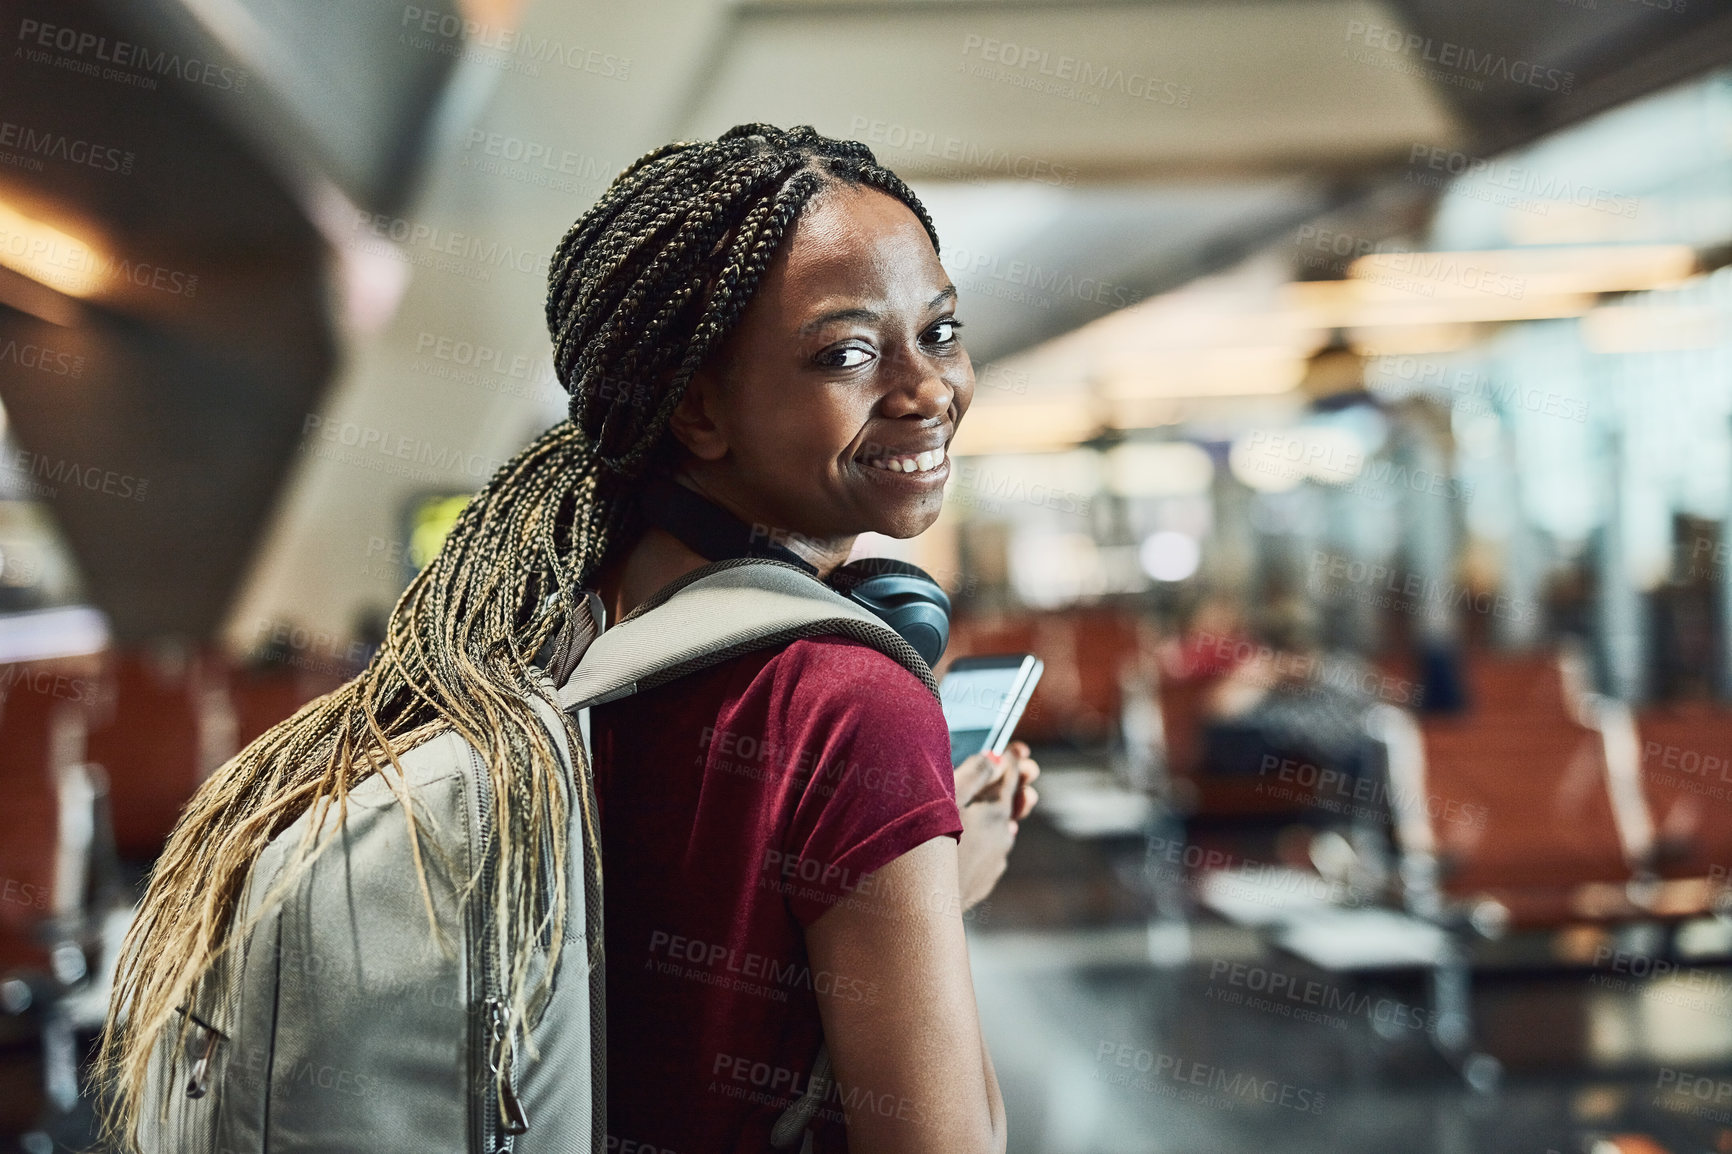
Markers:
<point>763,321</point>
<point>750,891</point>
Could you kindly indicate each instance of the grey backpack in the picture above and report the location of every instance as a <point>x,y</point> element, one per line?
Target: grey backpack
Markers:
<point>336,1024</point>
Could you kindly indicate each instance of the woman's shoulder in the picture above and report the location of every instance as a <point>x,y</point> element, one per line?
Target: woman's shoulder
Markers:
<point>834,671</point>
<point>839,656</point>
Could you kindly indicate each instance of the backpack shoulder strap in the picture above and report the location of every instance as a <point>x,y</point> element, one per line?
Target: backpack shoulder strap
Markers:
<point>719,611</point>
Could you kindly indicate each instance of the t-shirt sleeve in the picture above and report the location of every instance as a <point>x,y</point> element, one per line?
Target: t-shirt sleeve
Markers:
<point>879,781</point>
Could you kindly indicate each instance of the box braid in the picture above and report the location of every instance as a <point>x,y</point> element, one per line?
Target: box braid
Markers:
<point>643,288</point>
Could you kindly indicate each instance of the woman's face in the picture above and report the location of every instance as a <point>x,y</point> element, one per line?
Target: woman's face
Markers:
<point>829,411</point>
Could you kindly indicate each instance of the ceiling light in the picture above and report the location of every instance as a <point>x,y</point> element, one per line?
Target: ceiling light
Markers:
<point>47,255</point>
<point>1169,555</point>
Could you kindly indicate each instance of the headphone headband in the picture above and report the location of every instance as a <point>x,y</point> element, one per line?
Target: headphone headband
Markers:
<point>904,596</point>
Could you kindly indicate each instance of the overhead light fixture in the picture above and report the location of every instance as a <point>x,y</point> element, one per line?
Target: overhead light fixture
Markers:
<point>47,255</point>
<point>1652,327</point>
<point>1526,272</point>
<point>47,634</point>
<point>1159,469</point>
<point>995,426</point>
<point>1219,372</point>
<point>1362,304</point>
<point>1390,340</point>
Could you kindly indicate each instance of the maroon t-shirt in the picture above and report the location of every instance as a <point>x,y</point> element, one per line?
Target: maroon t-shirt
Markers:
<point>738,805</point>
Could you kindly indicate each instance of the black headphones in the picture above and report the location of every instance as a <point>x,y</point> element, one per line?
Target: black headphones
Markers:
<point>903,596</point>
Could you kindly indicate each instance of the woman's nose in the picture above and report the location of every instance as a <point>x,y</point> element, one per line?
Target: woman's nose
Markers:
<point>920,388</point>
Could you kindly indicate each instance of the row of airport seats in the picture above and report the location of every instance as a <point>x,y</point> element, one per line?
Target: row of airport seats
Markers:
<point>97,756</point>
<point>1546,804</point>
<point>1542,805</point>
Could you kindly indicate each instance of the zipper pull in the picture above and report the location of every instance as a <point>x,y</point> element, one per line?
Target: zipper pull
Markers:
<point>199,1082</point>
<point>516,1120</point>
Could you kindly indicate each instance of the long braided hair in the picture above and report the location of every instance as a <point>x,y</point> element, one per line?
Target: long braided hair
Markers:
<point>645,286</point>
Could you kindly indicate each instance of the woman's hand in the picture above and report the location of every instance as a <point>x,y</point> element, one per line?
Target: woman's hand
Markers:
<point>993,794</point>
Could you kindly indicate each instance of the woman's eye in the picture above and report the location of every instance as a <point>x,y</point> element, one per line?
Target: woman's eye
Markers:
<point>944,332</point>
<point>847,357</point>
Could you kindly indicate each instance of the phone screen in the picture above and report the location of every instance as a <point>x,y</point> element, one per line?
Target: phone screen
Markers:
<point>980,705</point>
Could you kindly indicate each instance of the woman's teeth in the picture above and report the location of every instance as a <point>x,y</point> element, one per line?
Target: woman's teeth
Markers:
<point>924,462</point>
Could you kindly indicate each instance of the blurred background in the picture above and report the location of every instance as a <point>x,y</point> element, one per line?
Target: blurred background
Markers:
<point>1353,442</point>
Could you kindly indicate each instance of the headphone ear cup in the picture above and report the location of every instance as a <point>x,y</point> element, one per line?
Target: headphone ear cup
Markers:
<point>904,597</point>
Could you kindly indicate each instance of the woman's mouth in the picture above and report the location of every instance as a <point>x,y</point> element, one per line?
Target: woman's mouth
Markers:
<point>925,462</point>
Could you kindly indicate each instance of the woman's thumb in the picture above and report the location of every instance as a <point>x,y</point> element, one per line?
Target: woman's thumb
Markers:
<point>976,774</point>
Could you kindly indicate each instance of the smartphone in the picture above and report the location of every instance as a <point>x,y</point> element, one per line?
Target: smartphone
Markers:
<point>983,699</point>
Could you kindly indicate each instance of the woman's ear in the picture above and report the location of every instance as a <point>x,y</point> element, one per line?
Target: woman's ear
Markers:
<point>694,419</point>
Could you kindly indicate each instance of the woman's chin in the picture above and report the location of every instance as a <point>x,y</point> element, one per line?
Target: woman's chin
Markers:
<point>908,519</point>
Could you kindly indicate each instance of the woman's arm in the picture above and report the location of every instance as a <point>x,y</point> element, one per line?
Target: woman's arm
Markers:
<point>900,1017</point>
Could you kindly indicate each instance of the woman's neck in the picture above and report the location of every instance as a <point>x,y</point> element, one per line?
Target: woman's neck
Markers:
<point>822,553</point>
<point>658,557</point>
<point>654,559</point>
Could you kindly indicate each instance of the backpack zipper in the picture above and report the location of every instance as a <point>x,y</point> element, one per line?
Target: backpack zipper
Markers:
<point>490,1033</point>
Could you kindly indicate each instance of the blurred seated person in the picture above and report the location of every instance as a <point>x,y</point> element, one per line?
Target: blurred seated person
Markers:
<point>1215,640</point>
<point>1289,698</point>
